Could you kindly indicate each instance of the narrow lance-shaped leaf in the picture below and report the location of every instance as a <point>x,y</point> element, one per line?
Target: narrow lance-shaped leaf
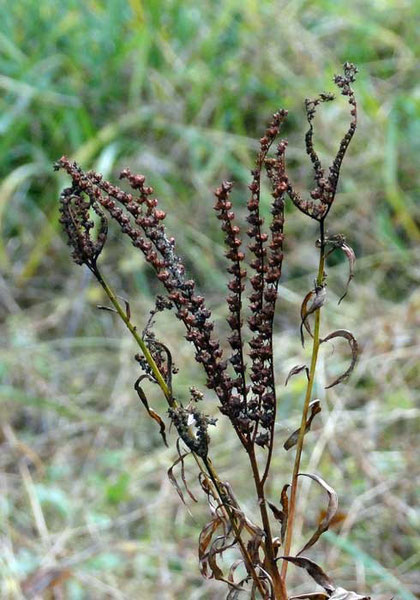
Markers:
<point>320,293</point>
<point>204,542</point>
<point>284,500</point>
<point>331,510</point>
<point>191,495</point>
<point>295,371</point>
<point>315,408</point>
<point>338,242</point>
<point>172,477</point>
<point>310,596</point>
<point>153,414</point>
<point>347,335</point>
<point>351,257</point>
<point>281,515</point>
<point>303,315</point>
<point>313,570</point>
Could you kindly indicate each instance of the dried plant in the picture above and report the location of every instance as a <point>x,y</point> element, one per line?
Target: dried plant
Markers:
<point>247,396</point>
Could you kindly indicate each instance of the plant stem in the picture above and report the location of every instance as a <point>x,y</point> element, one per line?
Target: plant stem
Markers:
<point>171,401</point>
<point>280,592</point>
<point>308,395</point>
<point>133,330</point>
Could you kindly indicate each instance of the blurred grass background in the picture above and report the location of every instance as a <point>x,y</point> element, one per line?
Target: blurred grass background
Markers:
<point>181,91</point>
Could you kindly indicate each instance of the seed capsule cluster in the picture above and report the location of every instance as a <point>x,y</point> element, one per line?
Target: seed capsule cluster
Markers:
<point>250,405</point>
<point>323,194</point>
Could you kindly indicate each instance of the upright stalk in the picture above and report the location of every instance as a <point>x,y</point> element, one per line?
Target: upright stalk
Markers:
<point>279,587</point>
<point>305,410</point>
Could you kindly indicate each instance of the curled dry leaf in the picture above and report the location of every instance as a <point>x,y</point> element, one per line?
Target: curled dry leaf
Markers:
<point>153,414</point>
<point>338,242</point>
<point>284,500</point>
<point>351,257</point>
<point>315,408</point>
<point>172,477</point>
<point>330,513</point>
<point>281,515</point>
<point>295,370</point>
<point>191,495</point>
<point>169,361</point>
<point>303,315</point>
<point>310,596</point>
<point>314,571</point>
<point>320,293</point>
<point>342,594</point>
<point>108,308</point>
<point>347,335</point>
<point>204,541</point>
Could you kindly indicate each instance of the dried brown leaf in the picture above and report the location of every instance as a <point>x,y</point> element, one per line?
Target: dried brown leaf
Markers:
<point>338,242</point>
<point>295,370</point>
<point>330,513</point>
<point>284,500</point>
<point>291,441</point>
<point>281,515</point>
<point>172,477</point>
<point>303,315</point>
<point>351,257</point>
<point>254,545</point>
<point>347,335</point>
<point>108,308</point>
<point>310,596</point>
<point>153,414</point>
<point>278,514</point>
<point>342,594</point>
<point>204,541</point>
<point>314,571</point>
<point>320,293</point>
<point>191,495</point>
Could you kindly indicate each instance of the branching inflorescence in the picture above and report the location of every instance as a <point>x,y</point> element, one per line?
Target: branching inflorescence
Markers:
<point>247,396</point>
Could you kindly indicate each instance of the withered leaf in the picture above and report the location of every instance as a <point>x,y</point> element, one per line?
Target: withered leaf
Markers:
<point>314,571</point>
<point>315,407</point>
<point>342,594</point>
<point>351,257</point>
<point>295,370</point>
<point>169,361</point>
<point>278,514</point>
<point>303,315</point>
<point>172,477</point>
<point>347,335</point>
<point>204,542</point>
<point>254,545</point>
<point>310,596</point>
<point>191,495</point>
<point>284,500</point>
<point>339,242</point>
<point>154,415</point>
<point>320,293</point>
<point>127,309</point>
<point>330,513</point>
<point>108,308</point>
<point>233,567</point>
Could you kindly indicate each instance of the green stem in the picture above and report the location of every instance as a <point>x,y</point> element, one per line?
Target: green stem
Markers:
<point>305,410</point>
<point>133,330</point>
